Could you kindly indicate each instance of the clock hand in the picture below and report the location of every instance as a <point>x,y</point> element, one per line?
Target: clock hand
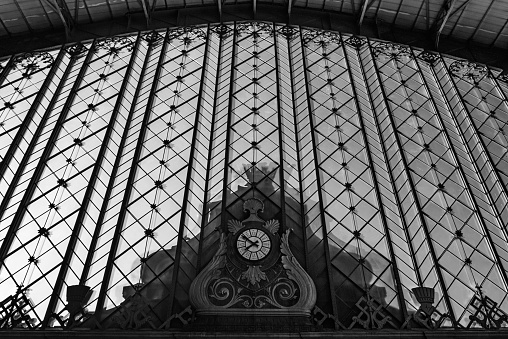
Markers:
<point>252,244</point>
<point>247,239</point>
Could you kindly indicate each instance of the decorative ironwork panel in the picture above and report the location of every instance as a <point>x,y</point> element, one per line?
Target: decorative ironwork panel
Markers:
<point>250,158</point>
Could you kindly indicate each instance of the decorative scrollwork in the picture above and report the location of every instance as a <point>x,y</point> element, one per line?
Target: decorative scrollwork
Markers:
<point>198,297</point>
<point>253,275</point>
<point>186,34</point>
<point>485,312</point>
<point>272,226</point>
<point>295,272</point>
<point>183,317</point>
<point>77,297</point>
<point>284,291</point>
<point>33,61</point>
<point>322,38</point>
<point>393,51</point>
<point>319,317</point>
<point>427,315</point>
<point>356,42</point>
<point>76,50</point>
<point>257,29</point>
<point>503,78</point>
<point>469,70</point>
<point>153,38</point>
<point>223,31</point>
<point>428,57</point>
<point>234,226</point>
<point>15,312</point>
<point>116,44</point>
<point>287,31</point>
<point>134,313</point>
<point>253,206</point>
<point>371,313</point>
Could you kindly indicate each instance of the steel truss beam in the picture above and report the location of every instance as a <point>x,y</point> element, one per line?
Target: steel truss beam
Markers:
<point>366,4</point>
<point>60,7</point>
<point>446,11</point>
<point>148,9</point>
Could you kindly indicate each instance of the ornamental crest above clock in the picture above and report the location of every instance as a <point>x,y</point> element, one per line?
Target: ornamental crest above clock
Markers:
<point>253,270</point>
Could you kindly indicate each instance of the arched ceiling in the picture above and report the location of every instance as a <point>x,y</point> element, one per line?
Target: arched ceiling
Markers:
<point>446,25</point>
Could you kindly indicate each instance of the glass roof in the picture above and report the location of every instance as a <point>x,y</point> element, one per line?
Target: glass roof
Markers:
<point>124,158</point>
<point>480,21</point>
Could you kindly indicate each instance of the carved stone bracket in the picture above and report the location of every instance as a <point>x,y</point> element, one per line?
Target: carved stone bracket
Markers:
<point>265,287</point>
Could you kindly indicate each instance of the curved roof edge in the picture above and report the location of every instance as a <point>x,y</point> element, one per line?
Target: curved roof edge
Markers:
<point>133,22</point>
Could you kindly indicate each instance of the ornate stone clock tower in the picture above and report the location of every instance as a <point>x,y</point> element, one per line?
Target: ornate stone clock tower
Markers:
<point>253,282</point>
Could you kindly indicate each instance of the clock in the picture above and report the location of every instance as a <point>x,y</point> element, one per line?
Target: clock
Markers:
<point>253,244</point>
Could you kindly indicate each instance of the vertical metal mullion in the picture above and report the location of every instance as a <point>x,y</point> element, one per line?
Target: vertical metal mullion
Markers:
<point>319,188</point>
<point>482,143</point>
<point>111,183</point>
<point>7,68</point>
<point>463,175</point>
<point>298,158</point>
<point>15,144</point>
<point>413,193</point>
<point>228,132</point>
<point>190,169</point>
<point>279,116</point>
<point>78,224</point>
<point>210,145</point>
<point>392,182</point>
<point>132,173</point>
<point>376,188</point>
<point>18,218</point>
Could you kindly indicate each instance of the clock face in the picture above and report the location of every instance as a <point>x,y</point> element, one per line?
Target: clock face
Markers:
<point>253,244</point>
